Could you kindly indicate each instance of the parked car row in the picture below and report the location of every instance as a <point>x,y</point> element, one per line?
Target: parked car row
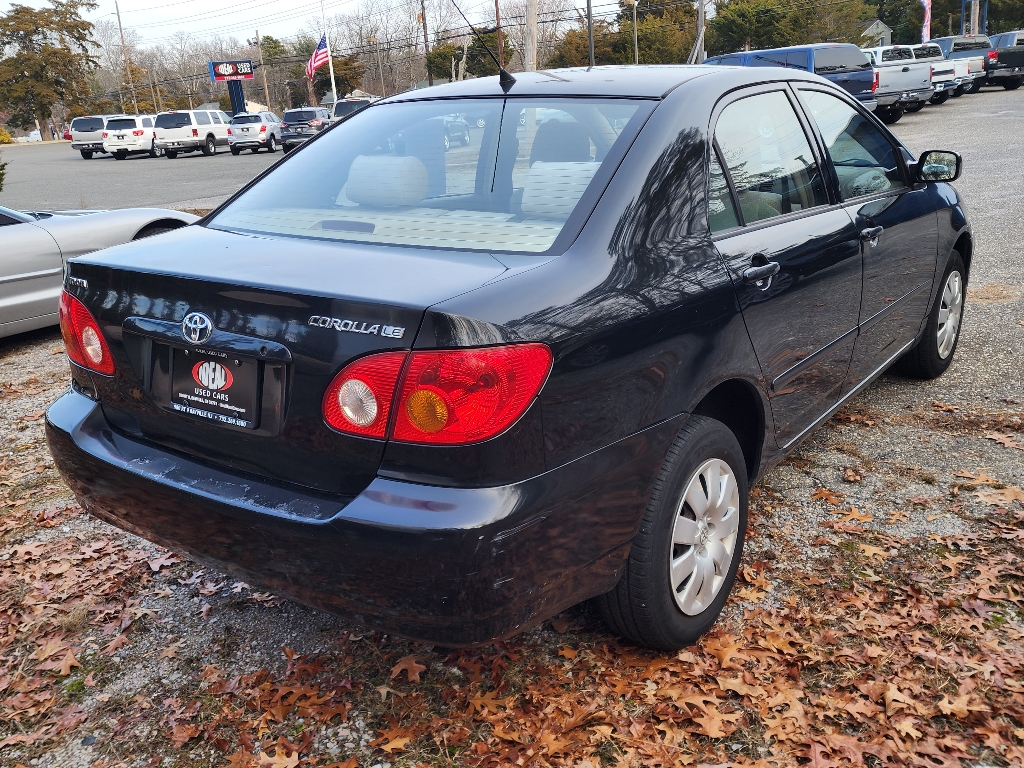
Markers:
<point>895,79</point>
<point>174,132</point>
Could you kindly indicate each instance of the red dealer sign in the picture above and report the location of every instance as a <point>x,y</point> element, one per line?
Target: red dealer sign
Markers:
<point>230,70</point>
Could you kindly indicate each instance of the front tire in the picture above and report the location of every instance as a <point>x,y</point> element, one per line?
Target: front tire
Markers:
<point>1013,85</point>
<point>933,353</point>
<point>286,148</point>
<point>684,557</point>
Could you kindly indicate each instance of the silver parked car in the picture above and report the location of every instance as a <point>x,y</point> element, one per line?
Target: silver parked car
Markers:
<point>254,131</point>
<point>37,245</point>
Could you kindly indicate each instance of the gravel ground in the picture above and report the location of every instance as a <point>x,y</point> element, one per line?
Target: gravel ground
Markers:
<point>890,460</point>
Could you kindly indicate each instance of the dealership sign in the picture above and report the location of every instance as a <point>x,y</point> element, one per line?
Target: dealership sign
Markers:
<point>230,70</point>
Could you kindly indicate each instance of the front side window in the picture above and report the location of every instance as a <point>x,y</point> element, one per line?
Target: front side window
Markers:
<point>863,158</point>
<point>731,61</point>
<point>202,118</point>
<point>768,157</point>
<point>385,176</point>
<point>797,60</point>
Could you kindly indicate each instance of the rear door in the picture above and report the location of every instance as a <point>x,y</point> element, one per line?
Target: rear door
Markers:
<point>31,271</point>
<point>896,222</point>
<point>773,212</point>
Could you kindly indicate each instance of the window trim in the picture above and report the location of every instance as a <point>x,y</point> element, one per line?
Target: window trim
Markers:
<point>716,153</point>
<point>783,86</point>
<point>823,150</point>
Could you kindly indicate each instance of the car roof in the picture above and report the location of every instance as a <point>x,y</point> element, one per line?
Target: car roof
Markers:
<point>808,47</point>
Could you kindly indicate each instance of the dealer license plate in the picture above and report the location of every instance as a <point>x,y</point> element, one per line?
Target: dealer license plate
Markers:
<point>213,386</point>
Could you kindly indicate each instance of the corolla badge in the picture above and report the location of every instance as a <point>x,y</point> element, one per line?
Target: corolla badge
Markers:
<point>212,375</point>
<point>196,327</point>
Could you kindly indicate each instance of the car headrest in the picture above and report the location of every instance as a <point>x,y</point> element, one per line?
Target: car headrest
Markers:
<point>560,142</point>
<point>386,180</point>
<point>552,190</point>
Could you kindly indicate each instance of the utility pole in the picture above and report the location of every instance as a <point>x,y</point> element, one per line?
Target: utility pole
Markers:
<point>152,91</point>
<point>530,54</point>
<point>383,89</point>
<point>124,55</point>
<point>263,69</point>
<point>501,42</point>
<point>426,42</point>
<point>700,31</point>
<point>590,30</point>
<point>636,44</point>
<point>950,25</point>
<point>330,59</point>
<point>974,17</point>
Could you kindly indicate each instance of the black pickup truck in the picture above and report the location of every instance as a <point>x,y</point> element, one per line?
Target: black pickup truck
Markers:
<point>1005,64</point>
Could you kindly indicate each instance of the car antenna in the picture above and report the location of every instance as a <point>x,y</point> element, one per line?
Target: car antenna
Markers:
<point>505,79</point>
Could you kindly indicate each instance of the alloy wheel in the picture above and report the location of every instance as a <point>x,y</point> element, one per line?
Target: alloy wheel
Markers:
<point>950,311</point>
<point>704,536</point>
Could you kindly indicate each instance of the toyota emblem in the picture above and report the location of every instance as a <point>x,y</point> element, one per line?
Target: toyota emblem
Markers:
<point>196,327</point>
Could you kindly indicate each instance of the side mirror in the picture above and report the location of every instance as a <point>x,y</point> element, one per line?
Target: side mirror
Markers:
<point>938,165</point>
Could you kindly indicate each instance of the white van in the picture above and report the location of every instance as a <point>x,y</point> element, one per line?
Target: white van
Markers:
<point>190,129</point>
<point>132,135</point>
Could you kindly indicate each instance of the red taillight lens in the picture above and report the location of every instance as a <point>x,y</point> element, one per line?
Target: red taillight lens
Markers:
<point>154,134</point>
<point>138,133</point>
<point>284,125</point>
<point>358,401</point>
<point>263,129</point>
<point>83,339</point>
<point>993,55</point>
<point>195,131</point>
<point>105,134</point>
<point>459,396</point>
<point>874,83</point>
<point>229,132</point>
<point>316,123</point>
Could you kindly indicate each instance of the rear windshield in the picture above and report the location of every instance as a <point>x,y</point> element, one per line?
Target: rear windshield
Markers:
<point>121,124</point>
<point>897,54</point>
<point>980,43</point>
<point>343,108</point>
<point>841,58</point>
<point>928,52</point>
<point>242,119</point>
<point>394,175</point>
<point>173,120</point>
<point>87,124</point>
<point>300,115</point>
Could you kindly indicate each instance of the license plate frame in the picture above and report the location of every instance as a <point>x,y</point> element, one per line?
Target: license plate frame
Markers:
<point>212,386</point>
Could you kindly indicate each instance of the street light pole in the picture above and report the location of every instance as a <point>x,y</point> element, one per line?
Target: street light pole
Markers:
<point>636,44</point>
<point>590,30</point>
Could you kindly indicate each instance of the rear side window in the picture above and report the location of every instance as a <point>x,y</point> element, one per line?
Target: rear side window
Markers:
<point>87,124</point>
<point>173,120</point>
<point>928,52</point>
<point>731,61</point>
<point>979,43</point>
<point>864,160</point>
<point>147,122</point>
<point>343,108</point>
<point>841,58</point>
<point>121,124</point>
<point>769,159</point>
<point>216,117</point>
<point>202,118</point>
<point>897,54</point>
<point>768,60</point>
<point>797,60</point>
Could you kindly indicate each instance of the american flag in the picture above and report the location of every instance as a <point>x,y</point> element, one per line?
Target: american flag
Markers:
<point>318,59</point>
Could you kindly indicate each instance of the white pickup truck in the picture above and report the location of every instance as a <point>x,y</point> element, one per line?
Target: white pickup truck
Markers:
<point>944,77</point>
<point>903,82</point>
<point>972,49</point>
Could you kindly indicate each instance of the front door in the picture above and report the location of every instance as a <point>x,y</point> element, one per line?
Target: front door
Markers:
<point>31,272</point>
<point>899,229</point>
<point>793,254</point>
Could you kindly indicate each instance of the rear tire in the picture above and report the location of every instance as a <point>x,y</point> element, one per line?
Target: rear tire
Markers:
<point>684,557</point>
<point>235,151</point>
<point>210,146</point>
<point>957,92</point>
<point>286,148</point>
<point>255,150</point>
<point>933,353</point>
<point>1013,85</point>
<point>155,151</point>
<point>890,115</point>
<point>272,144</point>
<point>86,154</point>
<point>975,86</point>
<point>170,154</point>
<point>120,155</point>
<point>940,98</point>
<point>917,106</point>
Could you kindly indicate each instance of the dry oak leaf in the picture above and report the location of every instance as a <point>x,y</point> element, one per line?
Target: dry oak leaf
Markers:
<point>1003,439</point>
<point>62,665</point>
<point>278,760</point>
<point>854,515</point>
<point>350,763</point>
<point>182,733</point>
<point>945,407</point>
<point>717,724</point>
<point>159,562</point>
<point>568,653</point>
<point>410,666</point>
<point>851,475</point>
<point>171,651</point>
<point>1001,496</point>
<point>240,759</point>
<point>982,478</point>
<point>115,644</point>
<point>396,744</point>
<point>383,690</point>
<point>828,496</point>
<point>960,707</point>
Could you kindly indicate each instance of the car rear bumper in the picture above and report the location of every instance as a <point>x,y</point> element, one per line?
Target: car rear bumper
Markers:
<point>133,146</point>
<point>869,104</point>
<point>1006,73</point>
<point>444,565</point>
<point>246,143</point>
<point>91,146</point>
<point>296,138</point>
<point>945,85</point>
<point>183,145</point>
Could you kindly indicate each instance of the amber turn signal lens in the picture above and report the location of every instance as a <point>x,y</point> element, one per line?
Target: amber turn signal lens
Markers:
<point>427,410</point>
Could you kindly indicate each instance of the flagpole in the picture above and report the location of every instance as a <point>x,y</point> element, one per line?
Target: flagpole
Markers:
<point>330,60</point>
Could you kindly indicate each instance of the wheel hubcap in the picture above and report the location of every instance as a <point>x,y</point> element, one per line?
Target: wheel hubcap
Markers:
<point>704,536</point>
<point>950,309</point>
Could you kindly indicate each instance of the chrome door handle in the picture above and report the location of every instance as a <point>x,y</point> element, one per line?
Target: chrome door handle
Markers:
<point>761,273</point>
<point>870,235</point>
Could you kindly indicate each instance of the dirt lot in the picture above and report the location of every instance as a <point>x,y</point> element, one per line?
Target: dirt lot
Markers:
<point>879,619</point>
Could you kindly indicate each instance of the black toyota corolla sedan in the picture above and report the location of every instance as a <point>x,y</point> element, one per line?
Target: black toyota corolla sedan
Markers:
<point>448,394</point>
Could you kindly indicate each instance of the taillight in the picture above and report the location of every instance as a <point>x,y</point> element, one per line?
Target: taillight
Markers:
<point>229,132</point>
<point>316,123</point>
<point>358,401</point>
<point>195,131</point>
<point>154,134</point>
<point>467,395</point>
<point>284,125</point>
<point>138,133</point>
<point>263,129</point>
<point>83,339</point>
<point>874,82</point>
<point>993,55</point>
<point>443,397</point>
<point>105,134</point>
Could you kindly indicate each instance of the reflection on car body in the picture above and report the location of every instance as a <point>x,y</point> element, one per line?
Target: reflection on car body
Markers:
<point>616,314</point>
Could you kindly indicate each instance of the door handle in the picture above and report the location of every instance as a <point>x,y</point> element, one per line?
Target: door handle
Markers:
<point>870,235</point>
<point>906,69</point>
<point>761,274</point>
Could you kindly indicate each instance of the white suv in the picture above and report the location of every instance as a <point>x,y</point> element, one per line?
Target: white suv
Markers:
<point>254,130</point>
<point>87,134</point>
<point>189,130</point>
<point>131,135</point>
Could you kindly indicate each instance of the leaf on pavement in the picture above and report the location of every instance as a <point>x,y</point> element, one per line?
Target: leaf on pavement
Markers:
<point>171,651</point>
<point>115,644</point>
<point>828,496</point>
<point>411,666</point>
<point>1003,439</point>
<point>163,560</point>
<point>1002,496</point>
<point>982,478</point>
